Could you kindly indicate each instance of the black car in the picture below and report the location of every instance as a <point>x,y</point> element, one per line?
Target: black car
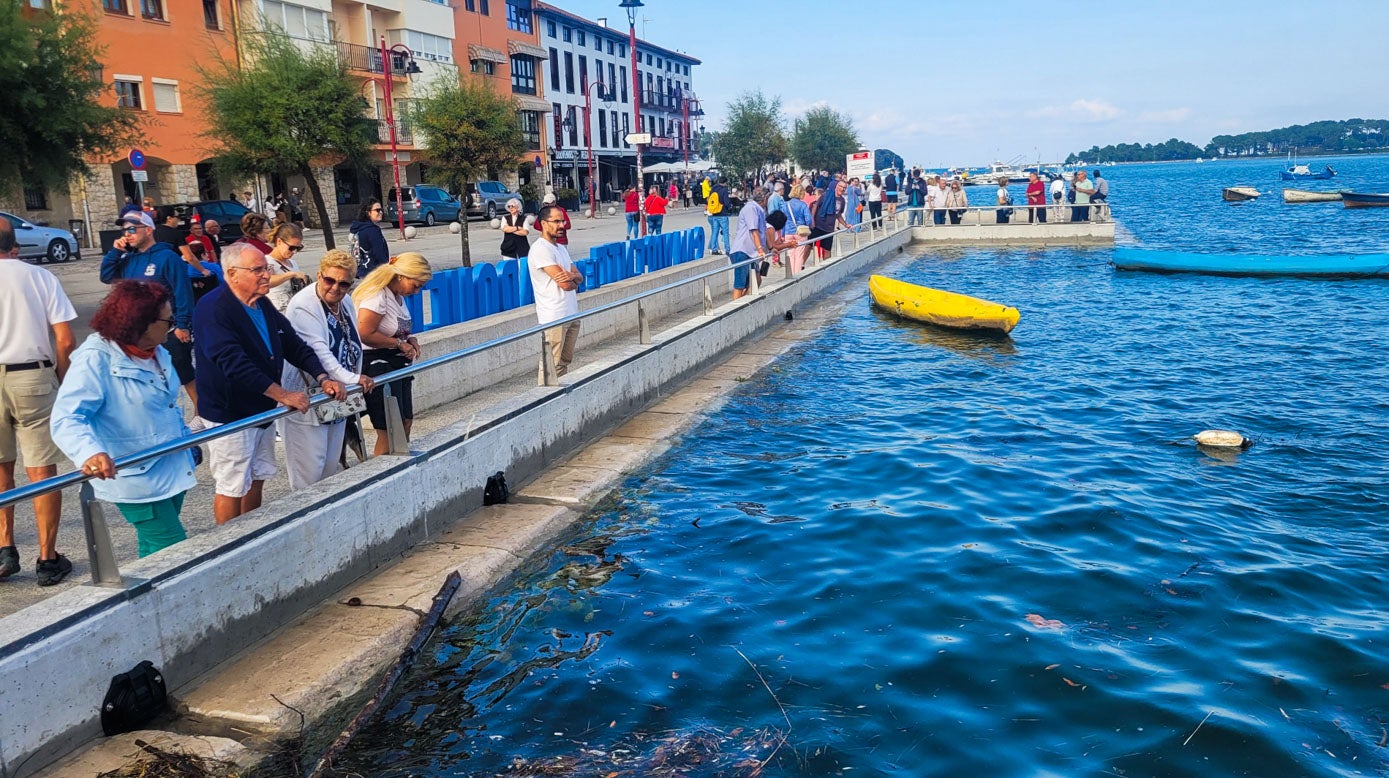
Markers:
<point>227,213</point>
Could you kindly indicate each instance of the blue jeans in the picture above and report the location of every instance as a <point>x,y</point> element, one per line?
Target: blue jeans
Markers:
<point>633,225</point>
<point>719,224</point>
<point>938,216</point>
<point>915,218</point>
<point>653,223</point>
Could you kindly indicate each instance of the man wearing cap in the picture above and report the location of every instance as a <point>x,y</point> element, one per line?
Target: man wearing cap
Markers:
<point>137,255</point>
<point>31,303</point>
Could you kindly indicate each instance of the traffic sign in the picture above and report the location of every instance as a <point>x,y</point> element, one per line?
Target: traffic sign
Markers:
<point>137,159</point>
<point>638,137</point>
<point>140,176</point>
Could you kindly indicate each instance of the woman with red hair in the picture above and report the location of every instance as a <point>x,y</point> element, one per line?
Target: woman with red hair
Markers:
<point>121,396</point>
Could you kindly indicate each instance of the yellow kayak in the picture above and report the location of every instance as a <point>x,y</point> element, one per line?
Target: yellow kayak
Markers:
<point>944,309</point>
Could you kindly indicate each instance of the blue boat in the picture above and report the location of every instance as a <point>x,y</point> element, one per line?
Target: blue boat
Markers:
<point>1252,264</point>
<point>1304,173</point>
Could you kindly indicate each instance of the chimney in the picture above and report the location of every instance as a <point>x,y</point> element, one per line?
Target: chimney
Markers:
<point>603,22</point>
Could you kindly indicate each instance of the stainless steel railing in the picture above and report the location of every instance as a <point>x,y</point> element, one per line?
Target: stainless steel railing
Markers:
<point>101,558</point>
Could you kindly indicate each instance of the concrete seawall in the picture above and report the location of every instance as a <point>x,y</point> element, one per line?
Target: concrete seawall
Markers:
<point>199,604</point>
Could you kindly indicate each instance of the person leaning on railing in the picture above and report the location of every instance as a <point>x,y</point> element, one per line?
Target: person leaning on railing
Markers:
<point>385,326</point>
<point>120,396</point>
<point>323,315</point>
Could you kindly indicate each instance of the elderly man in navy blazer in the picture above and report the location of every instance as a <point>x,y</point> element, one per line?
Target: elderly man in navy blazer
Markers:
<point>242,345</point>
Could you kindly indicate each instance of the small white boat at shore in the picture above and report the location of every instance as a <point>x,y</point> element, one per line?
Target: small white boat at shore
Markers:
<point>1235,194</point>
<point>1307,196</point>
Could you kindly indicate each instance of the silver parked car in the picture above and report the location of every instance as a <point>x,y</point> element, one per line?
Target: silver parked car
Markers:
<point>44,243</point>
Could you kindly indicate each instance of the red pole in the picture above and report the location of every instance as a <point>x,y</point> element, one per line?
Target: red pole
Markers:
<point>588,143</point>
<point>390,125</point>
<point>636,115</point>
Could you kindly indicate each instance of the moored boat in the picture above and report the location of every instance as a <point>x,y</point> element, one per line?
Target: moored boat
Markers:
<point>1308,196</point>
<point>1235,194</point>
<point>1304,173</point>
<point>941,308</point>
<point>1365,199</point>
<point>1252,264</point>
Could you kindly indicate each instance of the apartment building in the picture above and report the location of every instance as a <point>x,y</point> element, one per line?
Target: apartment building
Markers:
<point>589,66</point>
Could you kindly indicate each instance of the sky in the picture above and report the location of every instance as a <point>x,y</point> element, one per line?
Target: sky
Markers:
<point>969,82</point>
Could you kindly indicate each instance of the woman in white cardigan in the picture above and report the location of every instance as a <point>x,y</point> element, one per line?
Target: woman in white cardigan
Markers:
<point>323,315</point>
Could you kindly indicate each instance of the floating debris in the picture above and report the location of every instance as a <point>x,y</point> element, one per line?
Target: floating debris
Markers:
<point>1222,439</point>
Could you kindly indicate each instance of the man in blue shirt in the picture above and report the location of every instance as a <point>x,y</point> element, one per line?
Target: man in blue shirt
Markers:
<point>747,242</point>
<point>139,256</point>
<point>243,343</point>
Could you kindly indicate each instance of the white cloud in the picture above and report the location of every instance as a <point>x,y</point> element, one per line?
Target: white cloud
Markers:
<point>797,107</point>
<point>1081,110</point>
<point>1169,116</point>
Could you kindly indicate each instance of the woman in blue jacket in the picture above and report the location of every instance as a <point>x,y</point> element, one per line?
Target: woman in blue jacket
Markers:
<point>121,396</point>
<point>368,241</point>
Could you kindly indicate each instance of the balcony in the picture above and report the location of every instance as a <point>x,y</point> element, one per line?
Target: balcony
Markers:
<point>368,59</point>
<point>404,135</point>
<point>660,101</point>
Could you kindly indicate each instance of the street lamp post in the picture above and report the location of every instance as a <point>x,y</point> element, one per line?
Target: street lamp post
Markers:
<point>588,142</point>
<point>410,67</point>
<point>631,7</point>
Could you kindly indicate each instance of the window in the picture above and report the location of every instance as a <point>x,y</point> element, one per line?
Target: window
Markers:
<point>626,130</point>
<point>569,72</point>
<point>687,72</point>
<point>470,5</point>
<point>128,95</point>
<point>518,16</point>
<point>522,74</point>
<point>152,9</point>
<point>482,8</point>
<point>598,44</point>
<point>559,126</point>
<point>116,6</point>
<point>648,60</point>
<point>297,21</point>
<point>550,30</point>
<point>621,49</point>
<point>530,128</point>
<point>568,35</point>
<point>554,68</point>
<point>602,128</point>
<point>423,45</point>
<point>583,73</point>
<point>616,139</point>
<point>583,40</point>
<point>612,82</point>
<point>485,67</point>
<point>40,4</point>
<point>624,83</point>
<point>210,15</point>
<point>35,196</point>
<point>165,95</point>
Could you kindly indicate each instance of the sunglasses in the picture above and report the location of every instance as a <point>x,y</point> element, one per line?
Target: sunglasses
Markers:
<point>374,210</point>
<point>331,282</point>
<point>293,248</point>
<point>131,230</point>
<point>169,322</point>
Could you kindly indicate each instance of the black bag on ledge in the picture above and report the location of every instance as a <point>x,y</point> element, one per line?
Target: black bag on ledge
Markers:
<point>134,699</point>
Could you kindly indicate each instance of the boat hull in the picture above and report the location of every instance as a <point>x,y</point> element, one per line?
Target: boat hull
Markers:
<point>1320,176</point>
<point>1306,196</point>
<point>941,308</point>
<point>1365,200</point>
<point>1236,194</point>
<point>1251,264</point>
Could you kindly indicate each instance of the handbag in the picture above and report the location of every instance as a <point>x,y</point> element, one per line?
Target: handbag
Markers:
<point>334,410</point>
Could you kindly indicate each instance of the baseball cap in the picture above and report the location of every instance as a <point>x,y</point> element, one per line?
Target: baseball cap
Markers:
<point>549,198</point>
<point>138,218</point>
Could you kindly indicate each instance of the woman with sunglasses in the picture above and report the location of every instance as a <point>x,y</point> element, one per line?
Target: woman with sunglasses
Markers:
<point>286,279</point>
<point>121,396</point>
<point>325,318</point>
<point>368,241</point>
<point>386,328</point>
<point>515,244</point>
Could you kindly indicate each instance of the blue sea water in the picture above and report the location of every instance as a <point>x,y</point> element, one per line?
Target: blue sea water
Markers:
<point>905,551</point>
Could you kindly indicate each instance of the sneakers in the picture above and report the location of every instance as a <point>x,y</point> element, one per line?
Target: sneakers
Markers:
<point>51,571</point>
<point>9,561</point>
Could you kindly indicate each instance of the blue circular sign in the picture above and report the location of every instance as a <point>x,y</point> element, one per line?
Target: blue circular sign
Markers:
<point>137,159</point>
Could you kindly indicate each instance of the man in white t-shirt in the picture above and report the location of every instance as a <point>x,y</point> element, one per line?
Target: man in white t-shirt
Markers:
<point>31,303</point>
<point>555,280</point>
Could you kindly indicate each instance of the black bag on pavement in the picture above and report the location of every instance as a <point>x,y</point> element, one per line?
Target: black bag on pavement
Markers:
<point>496,491</point>
<point>134,699</point>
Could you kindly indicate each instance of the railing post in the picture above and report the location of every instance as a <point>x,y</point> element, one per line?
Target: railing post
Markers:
<point>643,328</point>
<point>856,240</point>
<point>785,257</point>
<point>100,556</point>
<point>548,377</point>
<point>754,279</point>
<point>395,424</point>
<point>708,299</point>
<point>837,250</point>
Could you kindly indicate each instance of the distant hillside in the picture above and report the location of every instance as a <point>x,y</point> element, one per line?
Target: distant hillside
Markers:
<point>1328,137</point>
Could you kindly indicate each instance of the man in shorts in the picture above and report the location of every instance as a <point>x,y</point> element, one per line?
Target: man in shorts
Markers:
<point>748,240</point>
<point>31,303</point>
<point>242,346</point>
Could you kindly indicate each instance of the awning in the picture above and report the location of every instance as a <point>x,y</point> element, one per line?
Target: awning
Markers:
<point>476,51</point>
<point>528,103</point>
<point>521,47</point>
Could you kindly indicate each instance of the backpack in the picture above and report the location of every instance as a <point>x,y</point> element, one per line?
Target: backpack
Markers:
<point>715,207</point>
<point>496,491</point>
<point>359,253</point>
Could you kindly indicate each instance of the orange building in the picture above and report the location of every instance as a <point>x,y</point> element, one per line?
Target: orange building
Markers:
<point>499,42</point>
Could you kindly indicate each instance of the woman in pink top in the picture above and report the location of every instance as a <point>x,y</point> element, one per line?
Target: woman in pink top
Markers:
<point>672,193</point>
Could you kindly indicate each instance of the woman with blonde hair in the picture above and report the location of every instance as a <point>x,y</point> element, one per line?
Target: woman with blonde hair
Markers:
<point>385,327</point>
<point>286,279</point>
<point>324,317</point>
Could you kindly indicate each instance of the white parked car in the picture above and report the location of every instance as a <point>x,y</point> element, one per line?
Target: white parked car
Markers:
<point>44,243</point>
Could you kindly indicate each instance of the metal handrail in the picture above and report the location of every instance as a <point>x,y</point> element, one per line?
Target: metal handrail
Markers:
<point>77,477</point>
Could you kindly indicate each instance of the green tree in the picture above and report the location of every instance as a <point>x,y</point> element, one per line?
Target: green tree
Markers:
<point>286,110</point>
<point>822,138</point>
<point>752,139</point>
<point>470,132</point>
<point>54,113</point>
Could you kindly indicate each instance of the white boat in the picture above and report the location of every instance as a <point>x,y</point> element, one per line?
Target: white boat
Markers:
<point>997,172</point>
<point>1235,194</point>
<point>1307,196</point>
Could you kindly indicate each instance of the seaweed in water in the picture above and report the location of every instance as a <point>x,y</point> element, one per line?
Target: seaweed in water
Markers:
<point>698,751</point>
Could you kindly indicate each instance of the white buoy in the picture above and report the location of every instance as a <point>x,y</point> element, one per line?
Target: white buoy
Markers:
<point>496,224</point>
<point>588,213</point>
<point>455,227</point>
<point>410,232</point>
<point>1222,439</point>
<point>612,210</point>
